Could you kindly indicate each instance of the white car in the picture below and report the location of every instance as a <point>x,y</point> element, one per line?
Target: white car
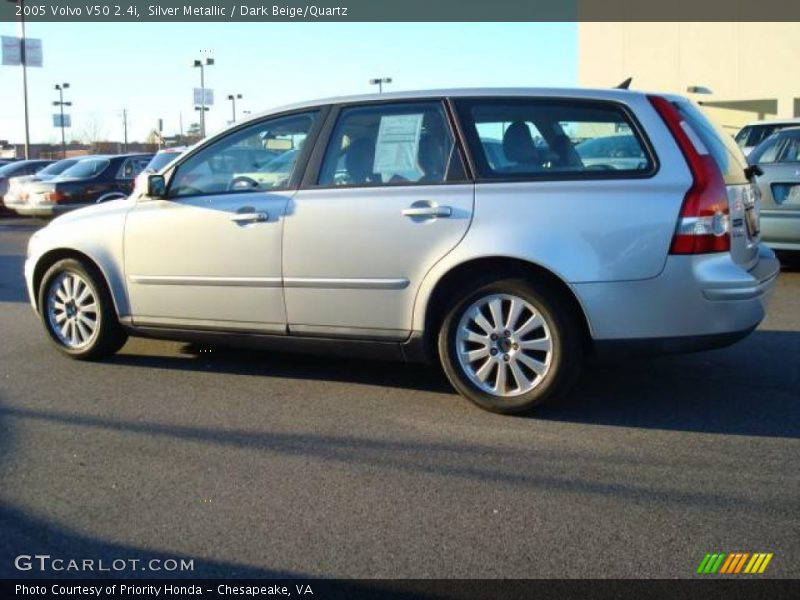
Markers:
<point>752,134</point>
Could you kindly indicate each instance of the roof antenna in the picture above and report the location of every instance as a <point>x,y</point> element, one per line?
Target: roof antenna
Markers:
<point>625,84</point>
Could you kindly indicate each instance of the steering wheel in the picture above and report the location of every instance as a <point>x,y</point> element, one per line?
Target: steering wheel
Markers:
<point>242,183</point>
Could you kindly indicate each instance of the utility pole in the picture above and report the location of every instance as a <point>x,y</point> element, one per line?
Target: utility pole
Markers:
<point>60,87</point>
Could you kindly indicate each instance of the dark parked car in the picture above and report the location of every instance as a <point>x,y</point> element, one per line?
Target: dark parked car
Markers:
<point>778,157</point>
<point>16,169</point>
<point>89,181</point>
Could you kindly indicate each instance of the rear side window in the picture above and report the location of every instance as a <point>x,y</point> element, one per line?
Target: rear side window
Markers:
<point>89,167</point>
<point>398,144</point>
<point>553,138</point>
<point>727,155</point>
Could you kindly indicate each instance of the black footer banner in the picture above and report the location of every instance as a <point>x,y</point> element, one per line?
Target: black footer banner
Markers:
<point>397,589</point>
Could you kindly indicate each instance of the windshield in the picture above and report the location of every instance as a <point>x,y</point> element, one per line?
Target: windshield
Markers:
<point>58,167</point>
<point>11,168</point>
<point>86,168</point>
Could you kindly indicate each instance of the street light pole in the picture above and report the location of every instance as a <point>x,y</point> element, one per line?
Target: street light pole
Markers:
<point>202,64</point>
<point>233,99</point>
<point>379,81</point>
<point>61,104</point>
<point>24,75</point>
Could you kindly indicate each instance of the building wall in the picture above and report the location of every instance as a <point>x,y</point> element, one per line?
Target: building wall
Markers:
<point>750,67</point>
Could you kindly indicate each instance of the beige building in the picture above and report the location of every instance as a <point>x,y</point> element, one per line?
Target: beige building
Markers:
<point>751,69</point>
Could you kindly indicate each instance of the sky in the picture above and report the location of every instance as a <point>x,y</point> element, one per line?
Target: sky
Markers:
<point>145,68</point>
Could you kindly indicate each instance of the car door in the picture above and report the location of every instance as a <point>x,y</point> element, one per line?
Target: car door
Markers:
<point>384,198</point>
<point>208,255</point>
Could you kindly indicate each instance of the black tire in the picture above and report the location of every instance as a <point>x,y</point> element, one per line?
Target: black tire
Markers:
<point>565,357</point>
<point>109,336</point>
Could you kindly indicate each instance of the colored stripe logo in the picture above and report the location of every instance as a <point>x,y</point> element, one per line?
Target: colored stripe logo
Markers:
<point>734,563</point>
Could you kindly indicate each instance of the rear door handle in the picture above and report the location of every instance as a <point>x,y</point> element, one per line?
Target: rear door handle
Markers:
<point>250,217</point>
<point>428,211</point>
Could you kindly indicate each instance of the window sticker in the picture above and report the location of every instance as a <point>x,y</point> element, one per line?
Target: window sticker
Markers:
<point>397,146</point>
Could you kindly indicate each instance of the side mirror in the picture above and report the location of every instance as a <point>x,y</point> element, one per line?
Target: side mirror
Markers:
<point>156,186</point>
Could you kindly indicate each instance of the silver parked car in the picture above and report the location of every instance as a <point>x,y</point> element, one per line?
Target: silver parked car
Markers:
<point>752,134</point>
<point>778,159</point>
<point>396,228</point>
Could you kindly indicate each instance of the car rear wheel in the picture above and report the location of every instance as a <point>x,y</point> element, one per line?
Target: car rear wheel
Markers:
<point>511,345</point>
<point>77,311</point>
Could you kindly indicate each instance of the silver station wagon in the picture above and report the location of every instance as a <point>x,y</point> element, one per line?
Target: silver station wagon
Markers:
<point>476,227</point>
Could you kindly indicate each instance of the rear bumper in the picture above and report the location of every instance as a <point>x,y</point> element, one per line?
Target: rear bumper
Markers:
<point>696,303</point>
<point>46,210</point>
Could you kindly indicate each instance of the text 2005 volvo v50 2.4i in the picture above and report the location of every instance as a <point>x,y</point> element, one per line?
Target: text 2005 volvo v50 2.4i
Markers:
<point>458,224</point>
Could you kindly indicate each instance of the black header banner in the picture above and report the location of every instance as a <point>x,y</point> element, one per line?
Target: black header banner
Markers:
<point>397,10</point>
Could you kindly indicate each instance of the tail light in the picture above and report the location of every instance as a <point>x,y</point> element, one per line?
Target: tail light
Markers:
<point>54,197</point>
<point>704,221</point>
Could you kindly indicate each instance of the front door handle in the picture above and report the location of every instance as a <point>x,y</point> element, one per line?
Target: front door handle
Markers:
<point>427,211</point>
<point>248,215</point>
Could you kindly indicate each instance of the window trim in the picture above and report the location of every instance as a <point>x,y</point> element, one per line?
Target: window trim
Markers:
<point>301,163</point>
<point>314,168</point>
<point>462,105</point>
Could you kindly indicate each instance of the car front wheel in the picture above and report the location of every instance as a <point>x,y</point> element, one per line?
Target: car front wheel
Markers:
<point>511,345</point>
<point>77,311</point>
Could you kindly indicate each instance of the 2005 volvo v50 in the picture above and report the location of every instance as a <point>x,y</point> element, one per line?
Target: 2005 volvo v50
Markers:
<point>460,224</point>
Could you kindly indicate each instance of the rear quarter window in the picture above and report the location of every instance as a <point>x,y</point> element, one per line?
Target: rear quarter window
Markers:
<point>723,148</point>
<point>552,138</point>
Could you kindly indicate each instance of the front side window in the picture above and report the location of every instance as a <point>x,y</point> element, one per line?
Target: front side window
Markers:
<point>258,158</point>
<point>131,168</point>
<point>400,144</point>
<point>513,138</point>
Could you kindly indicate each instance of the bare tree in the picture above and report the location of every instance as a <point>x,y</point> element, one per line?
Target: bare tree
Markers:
<point>93,131</point>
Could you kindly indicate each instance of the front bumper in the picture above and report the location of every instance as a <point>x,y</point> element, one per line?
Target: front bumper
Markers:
<point>30,264</point>
<point>697,302</point>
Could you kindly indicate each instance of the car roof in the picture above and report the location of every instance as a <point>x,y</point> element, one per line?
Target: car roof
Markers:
<point>588,93</point>
<point>792,121</point>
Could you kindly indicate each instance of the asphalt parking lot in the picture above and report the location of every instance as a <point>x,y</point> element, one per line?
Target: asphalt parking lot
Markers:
<point>259,464</point>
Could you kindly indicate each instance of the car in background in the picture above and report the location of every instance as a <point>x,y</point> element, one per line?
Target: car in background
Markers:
<point>778,160</point>
<point>161,159</point>
<point>619,152</point>
<point>753,134</point>
<point>17,169</point>
<point>17,193</point>
<point>89,181</point>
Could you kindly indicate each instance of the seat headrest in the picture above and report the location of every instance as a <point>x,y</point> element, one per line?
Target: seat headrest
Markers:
<point>359,159</point>
<point>518,144</point>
